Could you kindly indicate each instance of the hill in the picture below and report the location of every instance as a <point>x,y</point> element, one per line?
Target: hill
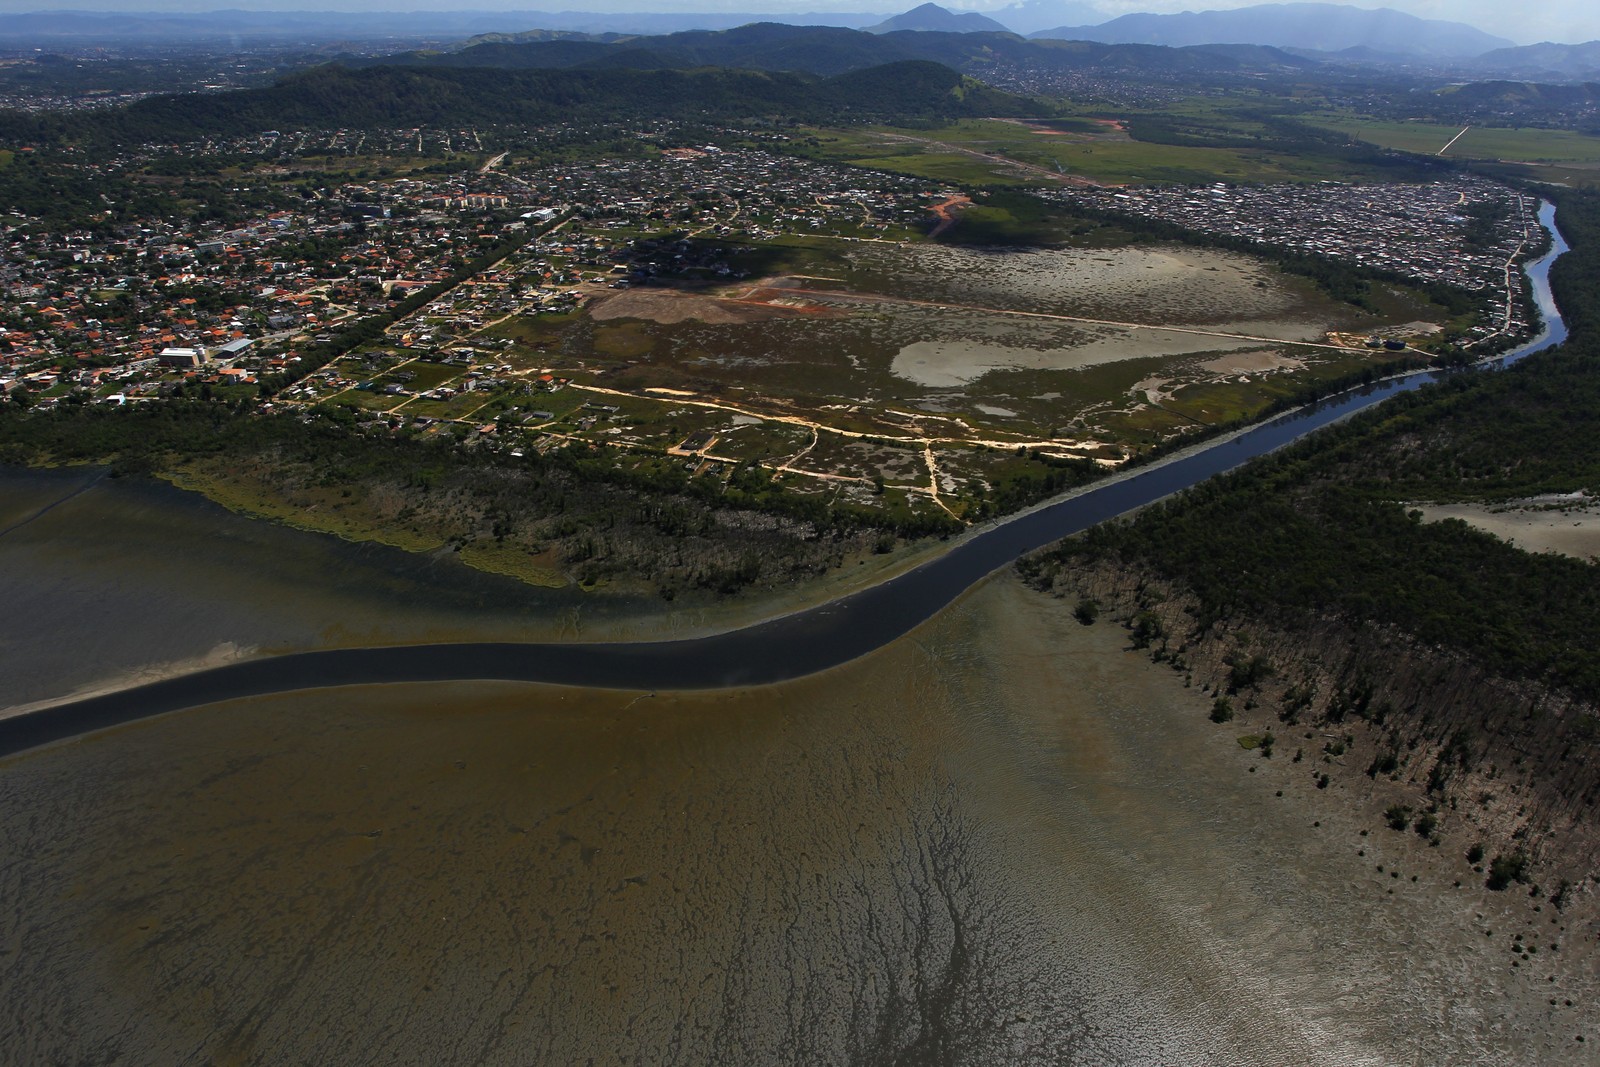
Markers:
<point>1522,96</point>
<point>1547,61</point>
<point>1323,27</point>
<point>934,17</point>
<point>335,96</point>
<point>827,51</point>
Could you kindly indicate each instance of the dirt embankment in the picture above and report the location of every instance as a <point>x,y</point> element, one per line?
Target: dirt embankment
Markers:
<point>1464,758</point>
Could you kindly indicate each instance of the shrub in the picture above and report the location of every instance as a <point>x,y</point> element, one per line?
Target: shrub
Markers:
<point>1507,869</point>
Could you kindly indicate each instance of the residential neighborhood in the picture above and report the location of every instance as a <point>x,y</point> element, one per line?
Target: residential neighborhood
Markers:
<point>161,303</point>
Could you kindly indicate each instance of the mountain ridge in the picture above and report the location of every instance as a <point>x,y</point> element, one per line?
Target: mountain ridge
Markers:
<point>1319,26</point>
<point>931,16</point>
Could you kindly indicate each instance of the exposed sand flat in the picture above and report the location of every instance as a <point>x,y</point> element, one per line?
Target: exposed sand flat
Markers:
<point>948,364</point>
<point>1574,532</point>
<point>1001,840</point>
<point>1256,361</point>
<point>223,654</point>
<point>1167,284</point>
<point>107,582</point>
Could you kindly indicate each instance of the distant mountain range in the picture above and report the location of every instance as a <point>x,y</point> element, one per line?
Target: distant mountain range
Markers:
<point>1027,16</point>
<point>1323,27</point>
<point>1299,33</point>
<point>828,50</point>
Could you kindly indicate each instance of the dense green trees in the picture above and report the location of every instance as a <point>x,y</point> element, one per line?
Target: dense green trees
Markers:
<point>334,96</point>
<point>1323,528</point>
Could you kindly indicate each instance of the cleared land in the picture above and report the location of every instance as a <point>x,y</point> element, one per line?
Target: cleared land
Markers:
<point>1101,151</point>
<point>857,369</point>
<point>1478,142</point>
<point>1568,526</point>
<point>1556,155</point>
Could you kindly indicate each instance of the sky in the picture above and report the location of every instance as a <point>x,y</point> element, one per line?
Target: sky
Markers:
<point>1523,21</point>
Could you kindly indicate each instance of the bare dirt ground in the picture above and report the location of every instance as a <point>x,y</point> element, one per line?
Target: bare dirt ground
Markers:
<point>1571,531</point>
<point>1259,361</point>
<point>671,306</point>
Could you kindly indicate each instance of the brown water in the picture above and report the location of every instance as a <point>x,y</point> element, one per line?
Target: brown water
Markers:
<point>1000,840</point>
<point>108,581</point>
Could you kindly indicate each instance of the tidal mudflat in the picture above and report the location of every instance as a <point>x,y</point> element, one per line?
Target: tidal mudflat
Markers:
<point>1004,839</point>
<point>110,581</point>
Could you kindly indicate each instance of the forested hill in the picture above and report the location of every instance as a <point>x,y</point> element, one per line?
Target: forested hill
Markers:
<point>335,96</point>
<point>828,50</point>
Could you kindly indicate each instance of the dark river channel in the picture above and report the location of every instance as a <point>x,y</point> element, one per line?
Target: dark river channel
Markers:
<point>791,646</point>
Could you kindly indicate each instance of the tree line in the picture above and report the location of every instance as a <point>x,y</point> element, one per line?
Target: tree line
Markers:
<point>1326,527</point>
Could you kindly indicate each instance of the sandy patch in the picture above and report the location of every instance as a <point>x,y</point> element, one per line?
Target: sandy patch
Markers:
<point>1573,533</point>
<point>1162,284</point>
<point>954,363</point>
<point>223,654</point>
<point>667,306</point>
<point>1259,361</point>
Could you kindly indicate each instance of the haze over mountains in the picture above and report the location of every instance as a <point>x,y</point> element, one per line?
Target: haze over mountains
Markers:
<point>830,50</point>
<point>1322,27</point>
<point>1321,31</point>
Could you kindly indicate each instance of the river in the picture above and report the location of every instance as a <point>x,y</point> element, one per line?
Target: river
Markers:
<point>779,649</point>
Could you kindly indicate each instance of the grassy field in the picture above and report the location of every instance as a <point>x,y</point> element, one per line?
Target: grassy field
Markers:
<point>1479,142</point>
<point>998,152</point>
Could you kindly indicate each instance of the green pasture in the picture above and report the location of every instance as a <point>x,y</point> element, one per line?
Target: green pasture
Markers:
<point>956,155</point>
<point>1522,145</point>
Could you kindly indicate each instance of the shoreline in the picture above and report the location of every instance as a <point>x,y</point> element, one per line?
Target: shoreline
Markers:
<point>735,621</point>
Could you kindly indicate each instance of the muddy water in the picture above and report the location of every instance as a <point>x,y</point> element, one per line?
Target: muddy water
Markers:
<point>1000,840</point>
<point>110,581</point>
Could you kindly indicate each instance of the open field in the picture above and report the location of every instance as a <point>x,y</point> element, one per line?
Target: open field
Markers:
<point>1478,142</point>
<point>926,368</point>
<point>1007,152</point>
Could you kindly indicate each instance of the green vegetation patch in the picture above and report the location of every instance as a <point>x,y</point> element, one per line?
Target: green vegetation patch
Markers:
<point>1523,144</point>
<point>1323,528</point>
<point>1204,145</point>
